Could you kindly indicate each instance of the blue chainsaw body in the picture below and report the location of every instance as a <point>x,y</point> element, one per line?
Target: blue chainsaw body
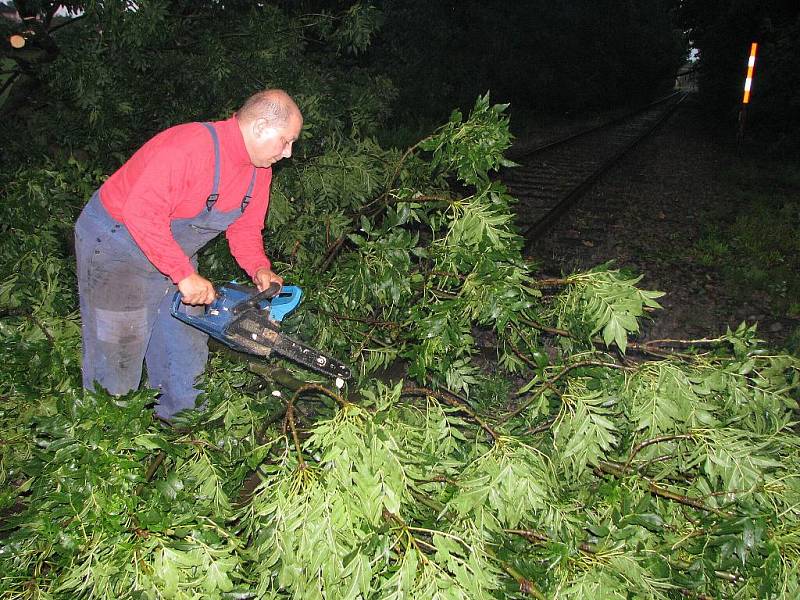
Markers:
<point>230,296</point>
<point>247,320</point>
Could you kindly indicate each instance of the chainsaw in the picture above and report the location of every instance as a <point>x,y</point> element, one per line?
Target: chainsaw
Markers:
<point>248,321</point>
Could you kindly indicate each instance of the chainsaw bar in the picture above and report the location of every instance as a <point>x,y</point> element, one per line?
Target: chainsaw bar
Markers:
<point>258,335</point>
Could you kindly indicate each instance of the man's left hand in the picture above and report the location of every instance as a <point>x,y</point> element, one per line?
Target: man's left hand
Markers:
<point>264,277</point>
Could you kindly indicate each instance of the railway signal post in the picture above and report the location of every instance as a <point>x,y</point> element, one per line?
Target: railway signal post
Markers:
<point>748,83</point>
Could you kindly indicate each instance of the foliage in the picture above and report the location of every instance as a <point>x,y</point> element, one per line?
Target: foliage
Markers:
<point>582,476</point>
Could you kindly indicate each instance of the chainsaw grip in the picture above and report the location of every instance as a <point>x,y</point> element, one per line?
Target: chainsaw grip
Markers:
<point>254,300</point>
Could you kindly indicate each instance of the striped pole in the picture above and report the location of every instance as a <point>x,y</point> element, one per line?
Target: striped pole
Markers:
<point>751,65</point>
<point>748,84</point>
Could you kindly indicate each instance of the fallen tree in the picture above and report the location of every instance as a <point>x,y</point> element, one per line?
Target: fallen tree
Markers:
<point>506,435</point>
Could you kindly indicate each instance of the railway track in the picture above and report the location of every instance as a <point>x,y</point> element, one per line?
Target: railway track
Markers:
<point>551,178</point>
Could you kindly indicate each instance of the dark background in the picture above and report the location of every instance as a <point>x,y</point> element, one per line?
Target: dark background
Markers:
<point>106,81</point>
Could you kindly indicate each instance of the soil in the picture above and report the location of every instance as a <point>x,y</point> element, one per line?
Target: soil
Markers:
<point>646,215</point>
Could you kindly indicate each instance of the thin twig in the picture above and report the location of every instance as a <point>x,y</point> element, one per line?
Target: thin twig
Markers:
<point>438,292</point>
<point>289,421</point>
<point>333,249</point>
<point>547,424</point>
<point>666,341</point>
<point>290,408</point>
<point>422,199</point>
<point>403,158</point>
<point>546,384</point>
<point>567,369</point>
<point>656,440</point>
<point>41,326</point>
<point>552,282</point>
<point>532,365</point>
<point>644,347</point>
<point>367,339</point>
<point>444,274</point>
<point>315,387</point>
<point>545,329</point>
<point>452,399</point>
<point>538,537</point>
<point>692,594</point>
<point>663,458</point>
<point>526,586</point>
<point>616,470</point>
<point>151,470</point>
<point>266,422</point>
<point>725,575</point>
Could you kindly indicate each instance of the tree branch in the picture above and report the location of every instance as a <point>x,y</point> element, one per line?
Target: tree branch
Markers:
<point>546,384</point>
<point>545,329</point>
<point>452,399</point>
<point>617,471</point>
<point>315,387</point>
<point>553,282</point>
<point>667,341</point>
<point>289,421</point>
<point>151,470</point>
<point>656,440</point>
<point>537,537</point>
<point>330,253</point>
<point>333,249</point>
<point>43,329</point>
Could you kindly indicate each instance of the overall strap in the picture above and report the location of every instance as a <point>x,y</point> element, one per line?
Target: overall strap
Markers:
<point>249,194</point>
<point>212,198</point>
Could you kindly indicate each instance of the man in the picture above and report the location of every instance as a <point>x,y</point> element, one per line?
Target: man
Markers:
<point>138,237</point>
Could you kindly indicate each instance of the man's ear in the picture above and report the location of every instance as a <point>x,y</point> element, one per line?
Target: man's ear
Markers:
<point>259,126</point>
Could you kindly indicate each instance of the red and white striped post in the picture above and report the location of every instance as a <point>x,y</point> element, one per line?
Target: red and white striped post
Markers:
<point>748,84</point>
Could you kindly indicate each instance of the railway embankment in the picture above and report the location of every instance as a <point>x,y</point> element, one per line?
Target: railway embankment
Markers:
<point>709,225</point>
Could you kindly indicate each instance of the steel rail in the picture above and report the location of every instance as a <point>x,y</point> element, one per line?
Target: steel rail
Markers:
<point>674,96</point>
<point>552,177</point>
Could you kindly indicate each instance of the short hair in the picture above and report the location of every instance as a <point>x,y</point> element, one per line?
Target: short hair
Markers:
<point>275,106</point>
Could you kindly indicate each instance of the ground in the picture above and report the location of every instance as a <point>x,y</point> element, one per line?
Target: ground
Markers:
<point>647,214</point>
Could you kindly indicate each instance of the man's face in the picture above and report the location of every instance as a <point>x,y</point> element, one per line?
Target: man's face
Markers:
<point>270,144</point>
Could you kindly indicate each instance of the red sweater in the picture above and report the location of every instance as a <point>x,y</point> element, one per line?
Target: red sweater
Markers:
<point>171,176</point>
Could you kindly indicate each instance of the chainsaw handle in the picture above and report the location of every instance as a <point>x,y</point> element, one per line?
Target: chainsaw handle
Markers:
<point>254,300</point>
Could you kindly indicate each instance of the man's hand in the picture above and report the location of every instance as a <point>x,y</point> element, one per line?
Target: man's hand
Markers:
<point>264,277</point>
<point>196,290</point>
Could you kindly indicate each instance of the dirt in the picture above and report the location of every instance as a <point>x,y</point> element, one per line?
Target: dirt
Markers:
<point>646,214</point>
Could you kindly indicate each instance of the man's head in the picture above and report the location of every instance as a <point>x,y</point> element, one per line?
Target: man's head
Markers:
<point>270,123</point>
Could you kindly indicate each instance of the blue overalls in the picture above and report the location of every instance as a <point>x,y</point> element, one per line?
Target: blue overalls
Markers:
<point>125,303</point>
